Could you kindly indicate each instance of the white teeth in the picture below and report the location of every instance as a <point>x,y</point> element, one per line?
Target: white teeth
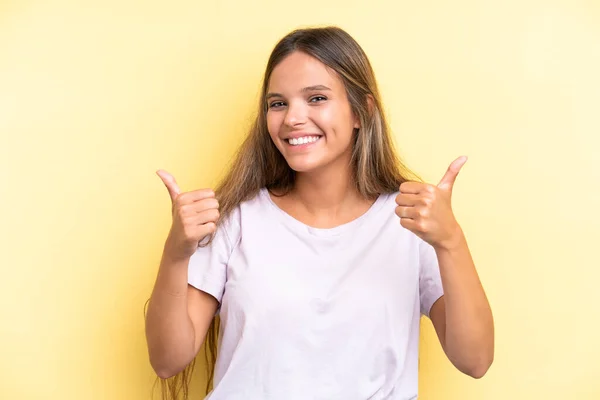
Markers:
<point>303,140</point>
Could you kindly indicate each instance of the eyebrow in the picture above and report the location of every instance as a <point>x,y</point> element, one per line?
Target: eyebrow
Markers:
<point>306,89</point>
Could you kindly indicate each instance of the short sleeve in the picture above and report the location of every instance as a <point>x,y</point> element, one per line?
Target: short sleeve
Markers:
<point>207,269</point>
<point>430,281</point>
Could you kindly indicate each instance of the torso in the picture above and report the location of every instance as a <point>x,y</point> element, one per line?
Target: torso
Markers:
<point>311,313</point>
<point>291,205</point>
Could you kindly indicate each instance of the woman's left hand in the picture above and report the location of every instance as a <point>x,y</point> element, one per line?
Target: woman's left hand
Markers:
<point>426,210</point>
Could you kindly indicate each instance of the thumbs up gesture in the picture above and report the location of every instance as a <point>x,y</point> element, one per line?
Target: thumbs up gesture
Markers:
<point>426,210</point>
<point>194,217</point>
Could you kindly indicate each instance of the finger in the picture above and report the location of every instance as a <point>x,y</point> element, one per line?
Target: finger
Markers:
<point>205,204</point>
<point>196,207</point>
<point>207,216</point>
<point>410,187</point>
<point>407,200</point>
<point>196,195</point>
<point>406,212</point>
<point>449,178</point>
<point>170,183</point>
<point>409,224</point>
<point>206,229</point>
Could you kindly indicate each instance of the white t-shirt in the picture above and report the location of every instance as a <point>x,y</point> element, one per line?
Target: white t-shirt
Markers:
<point>317,314</point>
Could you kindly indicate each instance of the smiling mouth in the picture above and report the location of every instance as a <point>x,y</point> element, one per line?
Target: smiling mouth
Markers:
<point>302,140</point>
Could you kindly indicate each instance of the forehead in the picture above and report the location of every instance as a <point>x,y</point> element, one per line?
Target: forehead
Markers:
<point>299,70</point>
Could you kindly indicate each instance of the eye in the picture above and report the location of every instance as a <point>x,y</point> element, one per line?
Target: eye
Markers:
<point>317,98</point>
<point>276,104</point>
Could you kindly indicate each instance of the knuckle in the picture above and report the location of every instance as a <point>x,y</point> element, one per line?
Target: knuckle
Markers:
<point>206,193</point>
<point>207,204</point>
<point>189,225</point>
<point>182,198</point>
<point>176,203</point>
<point>187,220</point>
<point>206,229</point>
<point>188,231</point>
<point>184,210</point>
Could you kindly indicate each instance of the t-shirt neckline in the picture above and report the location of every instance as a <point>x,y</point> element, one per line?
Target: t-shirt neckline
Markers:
<point>321,232</point>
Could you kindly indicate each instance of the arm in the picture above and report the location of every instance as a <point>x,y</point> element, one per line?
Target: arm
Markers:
<point>462,317</point>
<point>179,315</point>
<point>177,320</point>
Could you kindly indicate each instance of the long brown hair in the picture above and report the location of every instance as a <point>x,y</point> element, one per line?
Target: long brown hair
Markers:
<point>258,163</point>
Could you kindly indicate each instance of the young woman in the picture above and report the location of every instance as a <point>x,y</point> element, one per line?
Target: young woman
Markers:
<point>319,251</point>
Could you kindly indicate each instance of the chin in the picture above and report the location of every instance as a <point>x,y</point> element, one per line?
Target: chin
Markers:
<point>303,165</point>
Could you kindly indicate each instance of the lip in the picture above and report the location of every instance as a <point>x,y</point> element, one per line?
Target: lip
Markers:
<point>300,134</point>
<point>299,147</point>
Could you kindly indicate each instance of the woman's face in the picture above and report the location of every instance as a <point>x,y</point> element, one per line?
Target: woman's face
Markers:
<point>309,116</point>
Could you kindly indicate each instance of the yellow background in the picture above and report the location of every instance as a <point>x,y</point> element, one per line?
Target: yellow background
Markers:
<point>96,96</point>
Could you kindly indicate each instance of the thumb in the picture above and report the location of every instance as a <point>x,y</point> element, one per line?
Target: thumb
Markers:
<point>170,183</point>
<point>447,182</point>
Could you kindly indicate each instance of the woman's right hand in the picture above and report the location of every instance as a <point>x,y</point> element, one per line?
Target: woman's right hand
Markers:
<point>195,215</point>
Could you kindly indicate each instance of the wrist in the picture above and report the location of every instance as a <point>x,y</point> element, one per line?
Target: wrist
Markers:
<point>453,241</point>
<point>171,256</point>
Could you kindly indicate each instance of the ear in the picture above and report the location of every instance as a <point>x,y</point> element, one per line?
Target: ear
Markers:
<point>370,108</point>
<point>370,104</point>
<point>356,120</point>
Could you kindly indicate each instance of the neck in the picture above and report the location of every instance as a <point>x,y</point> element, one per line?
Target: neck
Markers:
<point>328,191</point>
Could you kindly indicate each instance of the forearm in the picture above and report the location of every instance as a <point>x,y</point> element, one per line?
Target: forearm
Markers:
<point>469,333</point>
<point>169,330</point>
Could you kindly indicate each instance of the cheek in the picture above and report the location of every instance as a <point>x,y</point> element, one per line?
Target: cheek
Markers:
<point>335,120</point>
<point>324,116</point>
<point>273,125</point>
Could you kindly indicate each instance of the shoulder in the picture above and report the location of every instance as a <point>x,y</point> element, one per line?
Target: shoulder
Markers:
<point>254,207</point>
<point>387,202</point>
<point>386,216</point>
<point>390,197</point>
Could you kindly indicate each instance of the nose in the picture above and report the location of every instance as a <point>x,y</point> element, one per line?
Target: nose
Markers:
<point>296,115</point>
